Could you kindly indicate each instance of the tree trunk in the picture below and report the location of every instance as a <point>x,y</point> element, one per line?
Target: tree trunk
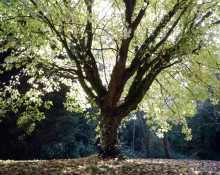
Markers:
<point>133,135</point>
<point>109,145</point>
<point>146,133</point>
<point>166,146</point>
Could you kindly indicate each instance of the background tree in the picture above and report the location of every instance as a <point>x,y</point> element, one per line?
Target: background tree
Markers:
<point>206,132</point>
<point>62,134</point>
<point>160,55</point>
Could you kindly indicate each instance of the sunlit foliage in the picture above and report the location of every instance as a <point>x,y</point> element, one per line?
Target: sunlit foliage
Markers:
<point>117,55</point>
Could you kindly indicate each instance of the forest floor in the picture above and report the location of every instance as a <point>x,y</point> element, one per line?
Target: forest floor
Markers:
<point>93,165</point>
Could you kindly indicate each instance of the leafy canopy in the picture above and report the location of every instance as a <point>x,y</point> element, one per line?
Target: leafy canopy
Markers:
<point>82,43</point>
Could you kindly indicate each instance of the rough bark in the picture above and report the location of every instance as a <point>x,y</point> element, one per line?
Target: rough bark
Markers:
<point>109,144</point>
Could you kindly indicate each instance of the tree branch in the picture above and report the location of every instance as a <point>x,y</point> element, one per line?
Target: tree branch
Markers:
<point>165,100</point>
<point>88,29</point>
<point>129,4</point>
<point>170,30</point>
<point>217,22</point>
<point>203,19</point>
<point>90,66</point>
<point>134,98</point>
<point>137,61</point>
<point>118,80</point>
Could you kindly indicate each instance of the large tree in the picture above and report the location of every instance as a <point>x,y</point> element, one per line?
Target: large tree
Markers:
<point>114,54</point>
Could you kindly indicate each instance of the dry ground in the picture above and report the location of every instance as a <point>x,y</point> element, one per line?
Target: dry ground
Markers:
<point>93,165</point>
